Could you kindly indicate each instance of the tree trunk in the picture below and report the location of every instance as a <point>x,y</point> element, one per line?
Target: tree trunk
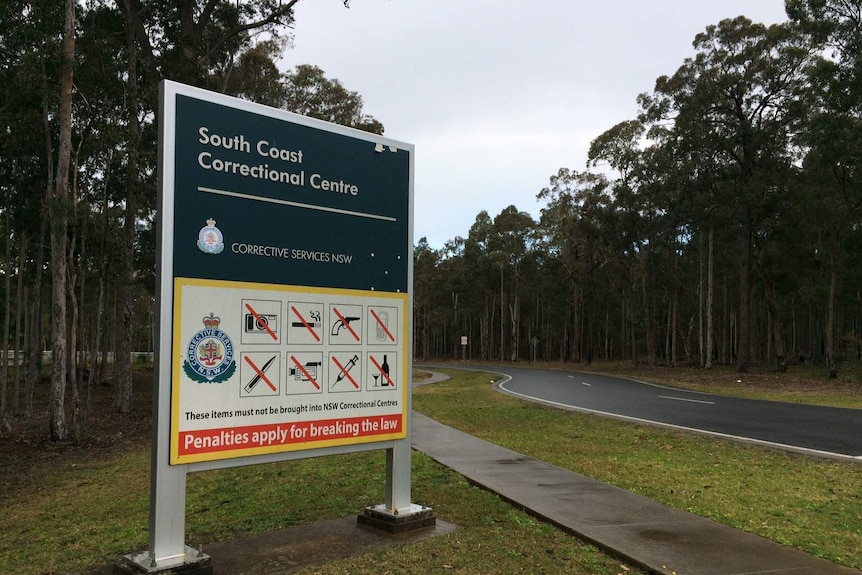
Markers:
<point>73,338</point>
<point>743,353</point>
<point>502,323</point>
<point>772,302</point>
<point>830,323</point>
<point>19,348</point>
<point>59,226</point>
<point>514,319</point>
<point>650,328</point>
<point>123,400</point>
<point>710,297</point>
<point>5,426</point>
<point>576,321</point>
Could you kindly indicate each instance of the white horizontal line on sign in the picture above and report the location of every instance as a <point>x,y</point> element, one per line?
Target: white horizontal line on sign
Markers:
<point>295,204</point>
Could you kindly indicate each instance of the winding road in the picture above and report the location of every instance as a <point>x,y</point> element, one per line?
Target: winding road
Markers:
<point>826,431</point>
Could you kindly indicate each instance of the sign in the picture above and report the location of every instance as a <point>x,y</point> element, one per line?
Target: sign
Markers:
<point>282,368</point>
<point>290,263</point>
<point>284,305</point>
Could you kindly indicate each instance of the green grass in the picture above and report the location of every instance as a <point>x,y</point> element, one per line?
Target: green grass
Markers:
<point>813,505</point>
<point>71,511</point>
<point>71,518</point>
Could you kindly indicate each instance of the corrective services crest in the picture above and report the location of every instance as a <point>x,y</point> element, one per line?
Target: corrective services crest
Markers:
<point>210,354</point>
<point>210,238</point>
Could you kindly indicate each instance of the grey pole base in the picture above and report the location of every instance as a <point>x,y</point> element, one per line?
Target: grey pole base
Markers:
<point>192,562</point>
<point>416,517</point>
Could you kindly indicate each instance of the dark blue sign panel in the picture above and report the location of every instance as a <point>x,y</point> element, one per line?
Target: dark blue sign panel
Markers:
<point>262,198</point>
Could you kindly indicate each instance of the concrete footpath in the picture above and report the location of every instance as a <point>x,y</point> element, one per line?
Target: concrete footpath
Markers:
<point>642,531</point>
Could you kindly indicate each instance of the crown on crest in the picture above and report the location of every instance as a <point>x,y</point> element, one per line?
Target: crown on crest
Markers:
<point>211,321</point>
<point>211,222</point>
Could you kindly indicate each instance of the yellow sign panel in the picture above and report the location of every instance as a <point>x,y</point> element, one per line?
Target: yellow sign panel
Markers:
<point>262,368</point>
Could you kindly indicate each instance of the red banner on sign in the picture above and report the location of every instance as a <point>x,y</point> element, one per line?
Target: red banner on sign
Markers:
<point>228,439</point>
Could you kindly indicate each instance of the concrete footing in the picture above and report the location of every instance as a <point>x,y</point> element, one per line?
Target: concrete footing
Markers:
<point>193,562</point>
<point>416,517</point>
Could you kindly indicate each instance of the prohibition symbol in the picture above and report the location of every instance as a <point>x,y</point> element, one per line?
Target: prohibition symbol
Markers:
<point>307,325</point>
<point>382,318</point>
<point>260,374</point>
<point>381,371</point>
<point>260,321</point>
<point>345,324</point>
<point>305,371</point>
<point>347,372</point>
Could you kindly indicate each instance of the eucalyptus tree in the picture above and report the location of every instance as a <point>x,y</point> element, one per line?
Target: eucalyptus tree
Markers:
<point>741,98</point>
<point>425,260</point>
<point>194,42</point>
<point>632,213</point>
<point>38,50</point>
<point>309,92</point>
<point>255,76</point>
<point>58,214</point>
<point>833,138</point>
<point>571,229</point>
<point>510,240</point>
<point>482,279</point>
<point>24,57</point>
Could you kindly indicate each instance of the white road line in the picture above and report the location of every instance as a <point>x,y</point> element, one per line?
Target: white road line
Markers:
<point>587,384</point>
<point>501,385</point>
<point>686,399</point>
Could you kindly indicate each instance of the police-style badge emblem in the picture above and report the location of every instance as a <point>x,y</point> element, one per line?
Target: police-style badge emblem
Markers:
<point>210,238</point>
<point>210,354</point>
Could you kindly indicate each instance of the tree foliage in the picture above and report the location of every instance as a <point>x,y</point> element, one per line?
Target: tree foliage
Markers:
<point>78,133</point>
<point>718,226</point>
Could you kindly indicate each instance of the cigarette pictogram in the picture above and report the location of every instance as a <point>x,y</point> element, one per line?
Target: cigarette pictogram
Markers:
<point>305,323</point>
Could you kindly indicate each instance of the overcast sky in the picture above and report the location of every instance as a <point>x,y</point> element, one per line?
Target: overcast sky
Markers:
<point>498,95</point>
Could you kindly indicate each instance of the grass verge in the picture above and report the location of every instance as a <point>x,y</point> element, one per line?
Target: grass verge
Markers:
<point>69,510</point>
<point>76,512</point>
<point>813,505</point>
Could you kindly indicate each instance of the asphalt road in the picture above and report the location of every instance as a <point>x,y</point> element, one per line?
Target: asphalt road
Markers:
<point>825,430</point>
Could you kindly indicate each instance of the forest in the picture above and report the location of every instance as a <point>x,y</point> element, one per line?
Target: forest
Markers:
<point>719,226</point>
<point>79,88</point>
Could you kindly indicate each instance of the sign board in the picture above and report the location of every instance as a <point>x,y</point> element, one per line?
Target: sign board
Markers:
<point>284,304</point>
<point>290,257</point>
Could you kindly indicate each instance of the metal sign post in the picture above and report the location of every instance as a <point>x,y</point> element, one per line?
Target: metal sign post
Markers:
<point>285,301</point>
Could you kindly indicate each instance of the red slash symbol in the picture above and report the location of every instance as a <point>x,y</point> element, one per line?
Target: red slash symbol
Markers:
<point>304,371</point>
<point>381,324</point>
<point>260,322</point>
<point>305,323</point>
<point>346,323</point>
<point>345,371</point>
<point>381,370</point>
<point>261,375</point>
